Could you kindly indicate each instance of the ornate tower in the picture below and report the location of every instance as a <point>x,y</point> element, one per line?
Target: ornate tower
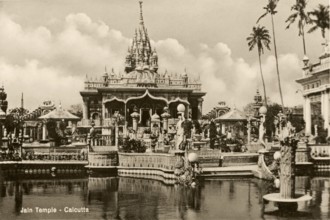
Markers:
<point>3,101</point>
<point>141,56</point>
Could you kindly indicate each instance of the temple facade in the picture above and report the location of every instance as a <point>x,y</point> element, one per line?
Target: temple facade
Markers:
<point>141,89</point>
<point>316,89</point>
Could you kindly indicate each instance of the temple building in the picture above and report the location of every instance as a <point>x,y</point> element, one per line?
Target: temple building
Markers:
<point>316,89</point>
<point>141,91</point>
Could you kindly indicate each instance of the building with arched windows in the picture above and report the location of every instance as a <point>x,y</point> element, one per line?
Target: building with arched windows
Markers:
<point>316,88</point>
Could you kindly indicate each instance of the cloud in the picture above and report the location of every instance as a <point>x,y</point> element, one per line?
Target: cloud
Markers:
<point>47,63</point>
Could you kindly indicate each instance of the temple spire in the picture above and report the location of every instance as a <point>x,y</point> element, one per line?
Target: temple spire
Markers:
<point>141,14</point>
<point>22,101</point>
<point>140,56</point>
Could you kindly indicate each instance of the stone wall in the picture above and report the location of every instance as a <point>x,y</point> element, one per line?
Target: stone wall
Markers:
<point>103,159</point>
<point>146,165</point>
<point>150,161</point>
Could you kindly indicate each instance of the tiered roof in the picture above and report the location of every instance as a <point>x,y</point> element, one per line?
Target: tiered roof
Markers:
<point>141,56</point>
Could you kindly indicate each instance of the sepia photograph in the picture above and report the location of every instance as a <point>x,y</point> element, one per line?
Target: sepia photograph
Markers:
<point>164,109</point>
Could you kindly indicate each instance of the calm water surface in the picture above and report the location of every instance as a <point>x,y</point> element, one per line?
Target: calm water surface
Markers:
<point>128,198</point>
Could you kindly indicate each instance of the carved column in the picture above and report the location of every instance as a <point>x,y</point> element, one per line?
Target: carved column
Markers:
<point>165,116</point>
<point>85,108</point>
<point>287,168</point>
<point>325,104</point>
<point>200,108</point>
<point>103,111</point>
<point>223,128</point>
<point>135,117</point>
<point>307,115</point>
<point>249,131</point>
<point>116,133</point>
<point>31,133</point>
<point>44,131</point>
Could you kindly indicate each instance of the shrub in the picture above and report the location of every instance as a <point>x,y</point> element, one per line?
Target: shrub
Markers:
<point>133,145</point>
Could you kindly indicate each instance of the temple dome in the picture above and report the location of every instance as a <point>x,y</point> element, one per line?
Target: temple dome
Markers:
<point>155,117</point>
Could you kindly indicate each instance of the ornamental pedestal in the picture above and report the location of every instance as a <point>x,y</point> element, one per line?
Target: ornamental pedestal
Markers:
<point>287,199</point>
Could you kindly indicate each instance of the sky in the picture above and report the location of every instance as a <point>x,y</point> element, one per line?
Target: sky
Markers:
<point>48,46</point>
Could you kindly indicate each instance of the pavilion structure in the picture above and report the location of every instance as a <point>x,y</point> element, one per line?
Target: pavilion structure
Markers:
<point>34,128</point>
<point>230,120</point>
<point>58,115</point>
<point>316,89</point>
<point>141,91</point>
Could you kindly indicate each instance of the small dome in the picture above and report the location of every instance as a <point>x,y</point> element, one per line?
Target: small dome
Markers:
<point>135,115</point>
<point>155,117</point>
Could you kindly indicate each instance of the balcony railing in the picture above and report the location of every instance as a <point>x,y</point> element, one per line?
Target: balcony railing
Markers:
<point>132,82</point>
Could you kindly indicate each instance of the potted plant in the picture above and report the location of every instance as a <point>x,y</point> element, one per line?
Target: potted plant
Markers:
<point>154,140</point>
<point>147,133</point>
<point>198,130</point>
<point>232,144</point>
<point>166,142</point>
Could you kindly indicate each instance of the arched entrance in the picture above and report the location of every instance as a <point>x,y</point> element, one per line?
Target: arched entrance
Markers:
<point>147,106</point>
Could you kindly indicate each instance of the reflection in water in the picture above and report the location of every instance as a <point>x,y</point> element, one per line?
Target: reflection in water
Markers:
<point>131,198</point>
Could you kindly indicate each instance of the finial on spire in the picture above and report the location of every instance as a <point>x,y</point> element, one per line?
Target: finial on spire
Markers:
<point>141,14</point>
<point>22,101</point>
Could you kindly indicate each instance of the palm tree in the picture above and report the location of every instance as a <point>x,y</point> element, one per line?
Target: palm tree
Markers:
<point>299,12</point>
<point>270,9</point>
<point>320,20</point>
<point>260,37</point>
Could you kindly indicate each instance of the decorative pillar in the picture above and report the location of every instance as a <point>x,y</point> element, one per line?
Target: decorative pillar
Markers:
<point>103,111</point>
<point>287,167</point>
<point>38,133</point>
<point>308,119</point>
<point>249,131</point>
<point>135,117</point>
<point>85,108</point>
<point>200,108</point>
<point>325,103</point>
<point>223,128</point>
<point>31,133</point>
<point>73,126</point>
<point>116,134</point>
<point>165,116</point>
<point>44,131</point>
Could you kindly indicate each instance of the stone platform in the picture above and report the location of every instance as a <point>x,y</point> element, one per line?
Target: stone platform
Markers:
<point>287,204</point>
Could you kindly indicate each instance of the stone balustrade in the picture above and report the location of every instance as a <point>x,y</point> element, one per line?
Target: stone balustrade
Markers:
<point>149,161</point>
<point>320,151</point>
<point>103,159</point>
<point>133,82</point>
<point>55,156</point>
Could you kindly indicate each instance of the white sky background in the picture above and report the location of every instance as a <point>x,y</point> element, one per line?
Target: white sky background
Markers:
<point>48,46</point>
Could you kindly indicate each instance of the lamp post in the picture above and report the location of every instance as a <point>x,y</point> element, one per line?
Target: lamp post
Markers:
<point>3,110</point>
<point>2,119</point>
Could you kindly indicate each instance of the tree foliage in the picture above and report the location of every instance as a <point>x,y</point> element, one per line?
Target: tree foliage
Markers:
<point>272,111</point>
<point>320,19</point>
<point>76,109</point>
<point>260,37</point>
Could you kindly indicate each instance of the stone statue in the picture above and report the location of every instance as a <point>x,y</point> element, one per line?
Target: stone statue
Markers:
<point>179,132</point>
